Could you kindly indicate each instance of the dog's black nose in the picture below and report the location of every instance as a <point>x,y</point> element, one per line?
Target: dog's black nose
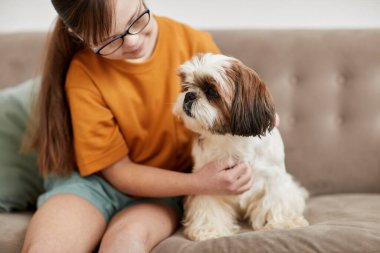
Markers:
<point>188,102</point>
<point>189,97</point>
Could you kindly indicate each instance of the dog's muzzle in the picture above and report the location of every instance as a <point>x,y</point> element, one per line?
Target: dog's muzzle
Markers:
<point>190,97</point>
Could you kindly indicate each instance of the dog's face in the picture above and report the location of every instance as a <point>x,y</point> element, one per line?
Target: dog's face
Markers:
<point>222,96</point>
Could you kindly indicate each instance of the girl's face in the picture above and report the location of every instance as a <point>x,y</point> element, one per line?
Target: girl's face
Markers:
<point>136,47</point>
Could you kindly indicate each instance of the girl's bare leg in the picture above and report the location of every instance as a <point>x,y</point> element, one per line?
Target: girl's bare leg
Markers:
<point>139,228</point>
<point>65,223</point>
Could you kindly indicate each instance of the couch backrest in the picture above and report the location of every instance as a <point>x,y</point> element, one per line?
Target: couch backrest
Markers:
<point>21,57</point>
<point>326,85</point>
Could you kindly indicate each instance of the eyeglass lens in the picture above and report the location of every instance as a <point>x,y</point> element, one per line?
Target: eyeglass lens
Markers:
<point>136,27</point>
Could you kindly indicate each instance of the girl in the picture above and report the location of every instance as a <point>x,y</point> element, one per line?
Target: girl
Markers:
<point>114,157</point>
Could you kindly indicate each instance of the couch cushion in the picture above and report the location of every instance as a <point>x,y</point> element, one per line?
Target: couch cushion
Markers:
<point>20,183</point>
<point>12,231</point>
<point>348,223</point>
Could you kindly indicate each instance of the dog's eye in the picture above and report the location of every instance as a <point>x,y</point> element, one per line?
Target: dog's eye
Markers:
<point>185,87</point>
<point>211,92</point>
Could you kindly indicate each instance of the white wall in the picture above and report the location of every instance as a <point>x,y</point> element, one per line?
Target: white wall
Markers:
<point>38,15</point>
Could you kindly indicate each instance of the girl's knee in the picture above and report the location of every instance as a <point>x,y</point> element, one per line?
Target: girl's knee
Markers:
<point>130,238</point>
<point>34,247</point>
<point>139,227</point>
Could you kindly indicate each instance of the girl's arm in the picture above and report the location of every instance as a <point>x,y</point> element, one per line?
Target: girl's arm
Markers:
<point>145,181</point>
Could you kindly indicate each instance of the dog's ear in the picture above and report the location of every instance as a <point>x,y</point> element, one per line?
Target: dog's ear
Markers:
<point>252,110</point>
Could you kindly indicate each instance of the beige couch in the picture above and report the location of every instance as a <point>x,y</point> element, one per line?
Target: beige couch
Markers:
<point>326,85</point>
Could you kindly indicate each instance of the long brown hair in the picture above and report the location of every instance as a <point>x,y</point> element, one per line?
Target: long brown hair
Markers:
<point>51,132</point>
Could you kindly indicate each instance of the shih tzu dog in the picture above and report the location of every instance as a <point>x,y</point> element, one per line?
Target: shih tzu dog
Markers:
<point>232,113</point>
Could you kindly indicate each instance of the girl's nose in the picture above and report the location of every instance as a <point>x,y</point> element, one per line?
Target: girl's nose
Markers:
<point>131,41</point>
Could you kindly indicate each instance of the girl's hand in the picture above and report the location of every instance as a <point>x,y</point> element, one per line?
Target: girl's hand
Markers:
<point>224,178</point>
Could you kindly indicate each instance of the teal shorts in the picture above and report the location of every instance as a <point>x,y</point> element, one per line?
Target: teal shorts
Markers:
<point>100,193</point>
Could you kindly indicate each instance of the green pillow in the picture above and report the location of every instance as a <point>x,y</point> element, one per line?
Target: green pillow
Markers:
<point>20,183</point>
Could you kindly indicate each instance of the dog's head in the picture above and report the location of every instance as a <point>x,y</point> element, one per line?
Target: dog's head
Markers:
<point>223,96</point>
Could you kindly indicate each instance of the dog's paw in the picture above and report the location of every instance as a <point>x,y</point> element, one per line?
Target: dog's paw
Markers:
<point>296,222</point>
<point>203,234</point>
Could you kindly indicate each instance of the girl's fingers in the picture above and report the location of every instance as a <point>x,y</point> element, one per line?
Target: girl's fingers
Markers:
<point>237,171</point>
<point>242,178</point>
<point>245,178</point>
<point>245,187</point>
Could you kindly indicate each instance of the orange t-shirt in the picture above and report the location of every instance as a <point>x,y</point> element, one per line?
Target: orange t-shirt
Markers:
<point>120,108</point>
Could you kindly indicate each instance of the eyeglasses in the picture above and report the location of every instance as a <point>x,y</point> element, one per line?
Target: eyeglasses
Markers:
<point>117,41</point>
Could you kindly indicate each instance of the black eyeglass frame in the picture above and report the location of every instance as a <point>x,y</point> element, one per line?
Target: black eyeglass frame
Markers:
<point>121,36</point>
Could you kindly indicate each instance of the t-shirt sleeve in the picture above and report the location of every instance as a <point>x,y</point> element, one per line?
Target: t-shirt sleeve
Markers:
<point>98,141</point>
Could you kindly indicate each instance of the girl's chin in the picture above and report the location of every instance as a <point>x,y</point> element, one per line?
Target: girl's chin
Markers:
<point>128,56</point>
<point>135,54</point>
<point>135,58</point>
<point>138,54</point>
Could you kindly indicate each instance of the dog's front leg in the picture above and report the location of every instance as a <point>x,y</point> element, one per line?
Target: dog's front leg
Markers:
<point>208,217</point>
<point>280,205</point>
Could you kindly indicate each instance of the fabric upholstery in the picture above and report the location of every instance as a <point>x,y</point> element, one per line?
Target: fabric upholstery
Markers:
<point>347,223</point>
<point>12,231</point>
<point>21,57</point>
<point>20,182</point>
<point>326,85</point>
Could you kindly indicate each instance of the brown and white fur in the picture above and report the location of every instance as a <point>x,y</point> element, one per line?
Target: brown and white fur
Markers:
<point>232,113</point>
